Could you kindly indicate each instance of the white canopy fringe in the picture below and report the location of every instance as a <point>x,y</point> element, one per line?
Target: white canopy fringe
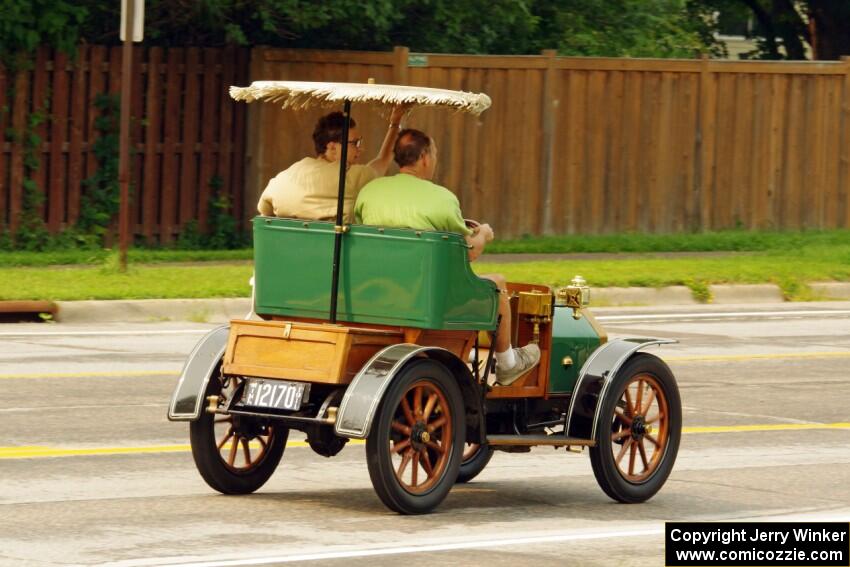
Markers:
<point>303,94</point>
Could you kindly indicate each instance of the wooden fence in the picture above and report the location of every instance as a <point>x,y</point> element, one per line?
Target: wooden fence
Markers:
<point>592,145</point>
<point>571,145</point>
<point>185,132</point>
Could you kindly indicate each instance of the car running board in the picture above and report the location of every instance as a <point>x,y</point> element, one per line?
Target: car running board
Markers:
<point>534,440</point>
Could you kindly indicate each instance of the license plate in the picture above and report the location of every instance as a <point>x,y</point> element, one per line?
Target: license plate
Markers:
<point>276,394</point>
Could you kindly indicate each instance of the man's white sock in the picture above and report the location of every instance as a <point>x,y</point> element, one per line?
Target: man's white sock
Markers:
<point>506,360</point>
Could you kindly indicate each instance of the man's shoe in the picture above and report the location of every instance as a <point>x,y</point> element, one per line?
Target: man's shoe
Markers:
<point>527,358</point>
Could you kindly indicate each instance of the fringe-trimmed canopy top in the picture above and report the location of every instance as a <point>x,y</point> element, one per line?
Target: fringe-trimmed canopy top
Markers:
<point>303,94</point>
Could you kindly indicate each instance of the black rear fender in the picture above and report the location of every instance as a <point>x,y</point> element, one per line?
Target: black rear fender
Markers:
<point>363,396</point>
<point>187,399</point>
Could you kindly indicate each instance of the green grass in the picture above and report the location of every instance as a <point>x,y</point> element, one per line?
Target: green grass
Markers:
<point>726,241</point>
<point>134,256</point>
<point>140,282</point>
<point>790,269</point>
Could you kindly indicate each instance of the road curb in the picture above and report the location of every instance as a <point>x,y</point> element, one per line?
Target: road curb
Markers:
<point>224,309</point>
<point>682,295</point>
<point>154,310</point>
<point>756,293</point>
<point>616,296</point>
<point>831,290</point>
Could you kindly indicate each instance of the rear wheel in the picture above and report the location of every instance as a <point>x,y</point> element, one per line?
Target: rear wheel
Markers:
<point>235,454</point>
<point>475,458</point>
<point>638,432</point>
<point>415,445</point>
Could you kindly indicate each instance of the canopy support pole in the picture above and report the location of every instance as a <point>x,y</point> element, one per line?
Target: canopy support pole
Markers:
<point>339,229</point>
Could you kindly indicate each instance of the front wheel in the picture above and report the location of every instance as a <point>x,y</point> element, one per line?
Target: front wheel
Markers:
<point>235,454</point>
<point>414,447</point>
<point>638,430</point>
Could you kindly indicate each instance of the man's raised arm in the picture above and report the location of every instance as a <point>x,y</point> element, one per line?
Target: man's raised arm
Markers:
<point>385,156</point>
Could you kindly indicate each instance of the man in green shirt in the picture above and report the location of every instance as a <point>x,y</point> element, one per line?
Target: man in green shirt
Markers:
<point>411,200</point>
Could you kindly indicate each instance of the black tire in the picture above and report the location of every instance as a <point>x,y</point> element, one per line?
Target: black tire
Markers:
<point>636,431</point>
<point>212,435</point>
<point>474,459</point>
<point>397,438</point>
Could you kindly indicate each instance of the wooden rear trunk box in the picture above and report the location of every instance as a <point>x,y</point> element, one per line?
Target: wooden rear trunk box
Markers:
<point>309,352</point>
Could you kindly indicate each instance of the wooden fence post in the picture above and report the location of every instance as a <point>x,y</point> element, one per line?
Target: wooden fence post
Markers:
<point>16,178</point>
<point>237,174</point>
<point>254,149</point>
<point>150,191</point>
<point>547,117</point>
<point>212,60</point>
<point>56,204</point>
<point>76,125</point>
<point>225,137</point>
<point>844,161</point>
<point>44,61</point>
<point>95,89</point>
<point>704,149</point>
<point>3,146</point>
<point>170,182</point>
<point>189,202</point>
<point>400,73</point>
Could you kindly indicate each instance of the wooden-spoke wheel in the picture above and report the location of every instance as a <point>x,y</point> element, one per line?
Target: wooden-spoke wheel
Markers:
<point>235,454</point>
<point>638,430</point>
<point>422,440</point>
<point>475,458</point>
<point>415,444</point>
<point>242,444</point>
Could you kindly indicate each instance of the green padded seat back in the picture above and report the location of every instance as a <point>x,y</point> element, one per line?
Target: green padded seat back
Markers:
<point>388,276</point>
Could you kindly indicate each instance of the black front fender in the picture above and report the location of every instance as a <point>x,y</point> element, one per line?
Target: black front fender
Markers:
<point>593,380</point>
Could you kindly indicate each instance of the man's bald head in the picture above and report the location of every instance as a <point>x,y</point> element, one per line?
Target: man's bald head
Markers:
<point>410,146</point>
<point>416,153</point>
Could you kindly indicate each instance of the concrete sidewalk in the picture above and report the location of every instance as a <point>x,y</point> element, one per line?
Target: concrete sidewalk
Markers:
<point>219,310</point>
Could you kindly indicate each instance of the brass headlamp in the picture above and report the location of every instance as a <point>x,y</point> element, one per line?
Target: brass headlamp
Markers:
<point>576,296</point>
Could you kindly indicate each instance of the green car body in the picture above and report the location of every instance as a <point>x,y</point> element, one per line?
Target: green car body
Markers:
<point>573,338</point>
<point>387,276</point>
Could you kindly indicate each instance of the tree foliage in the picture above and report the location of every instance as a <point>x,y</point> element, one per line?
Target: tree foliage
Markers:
<point>26,24</point>
<point>632,28</point>
<point>788,29</point>
<point>649,28</point>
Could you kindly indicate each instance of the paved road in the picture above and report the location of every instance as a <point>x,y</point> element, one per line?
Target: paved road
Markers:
<point>93,473</point>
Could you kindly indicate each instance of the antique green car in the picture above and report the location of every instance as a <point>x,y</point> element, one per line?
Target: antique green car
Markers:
<point>383,334</point>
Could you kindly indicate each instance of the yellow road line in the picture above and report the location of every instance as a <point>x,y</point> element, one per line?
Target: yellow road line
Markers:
<point>733,357</point>
<point>123,374</point>
<point>29,452</point>
<point>37,451</point>
<point>765,427</point>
